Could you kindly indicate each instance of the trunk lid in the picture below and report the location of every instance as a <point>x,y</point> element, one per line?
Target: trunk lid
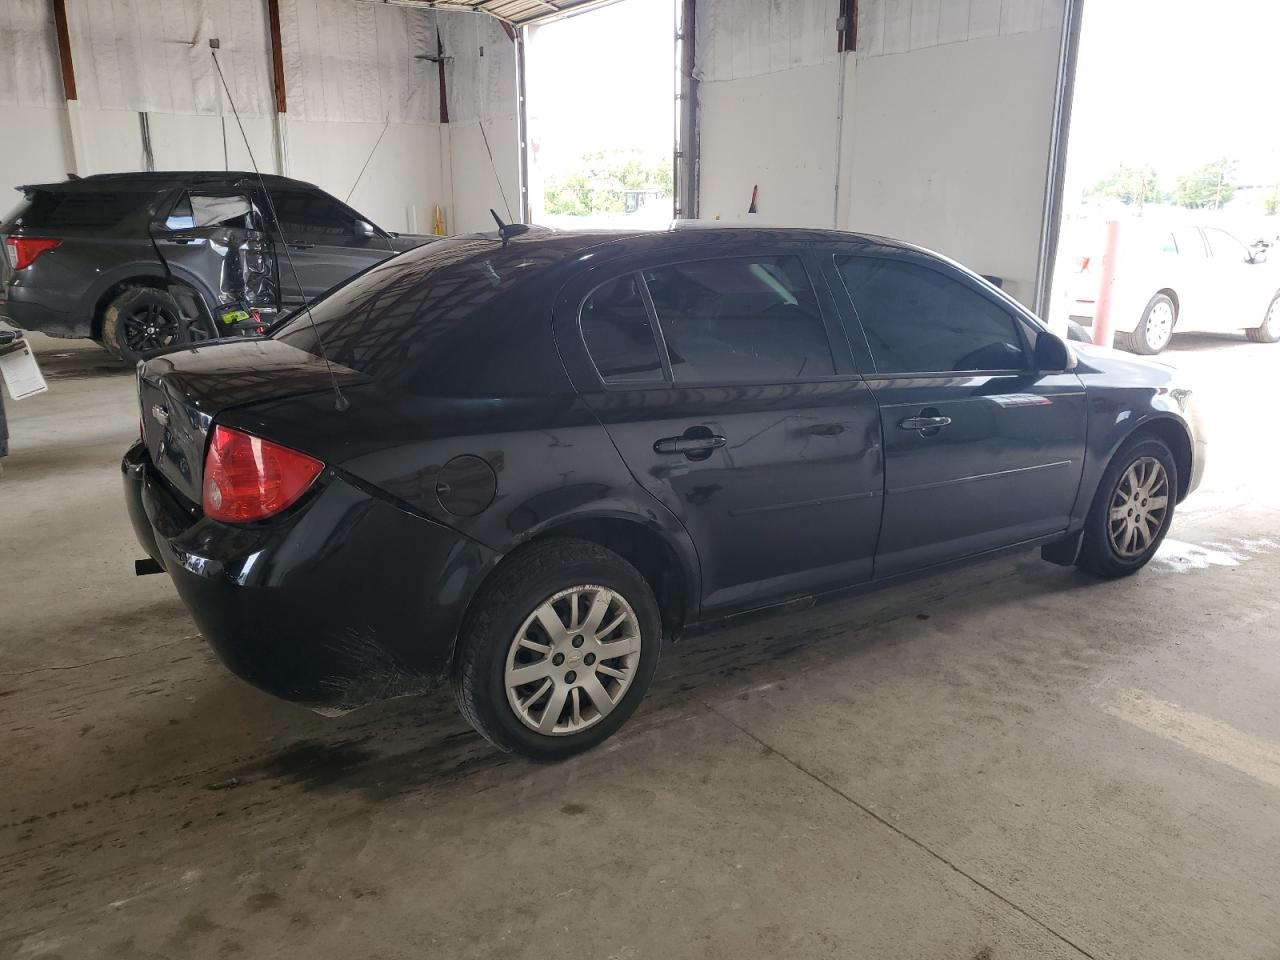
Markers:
<point>181,393</point>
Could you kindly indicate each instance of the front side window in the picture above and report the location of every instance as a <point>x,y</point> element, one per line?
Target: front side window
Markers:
<point>740,319</point>
<point>308,214</point>
<point>918,320</point>
<point>618,334</point>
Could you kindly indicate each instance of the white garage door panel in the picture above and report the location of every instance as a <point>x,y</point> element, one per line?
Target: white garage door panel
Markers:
<point>950,150</point>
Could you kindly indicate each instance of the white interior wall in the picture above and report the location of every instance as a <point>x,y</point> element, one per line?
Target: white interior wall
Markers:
<point>768,82</point>
<point>353,79</point>
<point>481,81</point>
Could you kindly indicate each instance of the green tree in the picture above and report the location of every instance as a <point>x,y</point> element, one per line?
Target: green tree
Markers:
<point>1209,187</point>
<point>1271,202</point>
<point>600,182</point>
<point>1133,186</point>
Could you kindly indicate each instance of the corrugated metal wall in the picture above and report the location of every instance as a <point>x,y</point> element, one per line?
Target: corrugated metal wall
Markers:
<point>356,62</point>
<point>28,55</point>
<point>750,38</point>
<point>154,56</point>
<point>344,61</point>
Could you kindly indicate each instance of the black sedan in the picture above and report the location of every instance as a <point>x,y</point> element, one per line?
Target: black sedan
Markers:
<point>526,463</point>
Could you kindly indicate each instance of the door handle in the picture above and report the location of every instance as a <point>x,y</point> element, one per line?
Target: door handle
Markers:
<point>688,445</point>
<point>923,423</point>
<point>180,239</point>
<point>300,246</point>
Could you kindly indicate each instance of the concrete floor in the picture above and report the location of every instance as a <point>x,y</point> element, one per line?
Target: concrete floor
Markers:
<point>1009,761</point>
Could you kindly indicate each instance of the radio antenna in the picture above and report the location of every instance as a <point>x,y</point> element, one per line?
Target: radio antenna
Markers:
<point>340,402</point>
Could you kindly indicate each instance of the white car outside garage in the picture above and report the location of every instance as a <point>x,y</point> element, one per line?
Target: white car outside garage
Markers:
<point>1175,278</point>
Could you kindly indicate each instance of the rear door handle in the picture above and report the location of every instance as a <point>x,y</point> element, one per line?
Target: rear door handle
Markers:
<point>923,423</point>
<point>180,239</point>
<point>688,444</point>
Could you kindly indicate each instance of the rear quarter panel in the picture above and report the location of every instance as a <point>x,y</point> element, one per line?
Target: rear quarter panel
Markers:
<point>551,459</point>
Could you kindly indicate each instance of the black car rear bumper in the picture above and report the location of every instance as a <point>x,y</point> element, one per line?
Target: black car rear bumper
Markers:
<point>343,600</point>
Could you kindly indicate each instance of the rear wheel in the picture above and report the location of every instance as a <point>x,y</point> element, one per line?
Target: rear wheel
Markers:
<point>1131,510</point>
<point>558,651</point>
<point>1269,330</point>
<point>1154,331</point>
<point>142,320</point>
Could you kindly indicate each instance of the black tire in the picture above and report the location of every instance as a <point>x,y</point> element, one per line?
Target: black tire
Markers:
<point>1269,330</point>
<point>1138,341</point>
<point>142,320</point>
<point>520,585</point>
<point>1098,554</point>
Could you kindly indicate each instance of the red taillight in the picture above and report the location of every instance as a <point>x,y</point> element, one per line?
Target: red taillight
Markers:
<point>247,478</point>
<point>24,250</point>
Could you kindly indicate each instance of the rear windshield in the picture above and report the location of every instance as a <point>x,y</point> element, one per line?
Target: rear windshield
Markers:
<point>92,209</point>
<point>429,315</point>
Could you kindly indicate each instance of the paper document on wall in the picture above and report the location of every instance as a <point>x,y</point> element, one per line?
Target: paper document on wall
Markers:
<point>22,376</point>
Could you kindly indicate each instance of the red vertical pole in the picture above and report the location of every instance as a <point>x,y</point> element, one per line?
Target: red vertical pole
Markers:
<point>277,56</point>
<point>1103,334</point>
<point>64,49</point>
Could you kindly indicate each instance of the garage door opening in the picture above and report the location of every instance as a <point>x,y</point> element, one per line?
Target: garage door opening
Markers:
<point>1172,180</point>
<point>601,96</point>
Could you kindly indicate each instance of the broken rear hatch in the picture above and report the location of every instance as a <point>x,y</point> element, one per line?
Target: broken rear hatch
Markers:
<point>180,393</point>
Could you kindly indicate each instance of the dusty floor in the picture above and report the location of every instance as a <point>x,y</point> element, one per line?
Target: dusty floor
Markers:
<point>1008,761</point>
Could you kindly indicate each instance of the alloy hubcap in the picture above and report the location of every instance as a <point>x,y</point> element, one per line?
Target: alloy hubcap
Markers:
<point>1138,507</point>
<point>1159,325</point>
<point>150,328</point>
<point>572,660</point>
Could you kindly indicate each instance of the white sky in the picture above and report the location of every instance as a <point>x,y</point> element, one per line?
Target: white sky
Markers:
<point>602,79</point>
<point>1177,83</point>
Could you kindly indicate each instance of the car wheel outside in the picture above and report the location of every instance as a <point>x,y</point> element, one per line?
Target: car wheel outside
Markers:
<point>558,649</point>
<point>142,320</point>
<point>1269,330</point>
<point>1131,510</point>
<point>1154,331</point>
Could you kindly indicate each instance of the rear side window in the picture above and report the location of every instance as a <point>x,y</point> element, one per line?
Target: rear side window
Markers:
<point>740,319</point>
<point>618,334</point>
<point>92,209</point>
<point>1189,243</point>
<point>918,320</point>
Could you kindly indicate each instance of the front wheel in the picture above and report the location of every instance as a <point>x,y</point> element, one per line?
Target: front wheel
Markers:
<point>1132,509</point>
<point>1269,330</point>
<point>558,650</point>
<point>1154,331</point>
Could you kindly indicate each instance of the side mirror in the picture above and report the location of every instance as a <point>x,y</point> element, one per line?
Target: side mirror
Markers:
<point>1053,355</point>
<point>1258,253</point>
<point>363,231</point>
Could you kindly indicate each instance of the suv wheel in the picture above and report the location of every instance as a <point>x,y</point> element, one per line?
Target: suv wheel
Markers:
<point>558,650</point>
<point>140,321</point>
<point>1131,510</point>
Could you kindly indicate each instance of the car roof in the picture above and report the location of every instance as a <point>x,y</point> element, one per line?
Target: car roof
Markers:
<point>687,233</point>
<point>160,180</point>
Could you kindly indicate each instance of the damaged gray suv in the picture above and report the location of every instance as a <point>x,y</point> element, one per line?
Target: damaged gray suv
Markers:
<point>143,261</point>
